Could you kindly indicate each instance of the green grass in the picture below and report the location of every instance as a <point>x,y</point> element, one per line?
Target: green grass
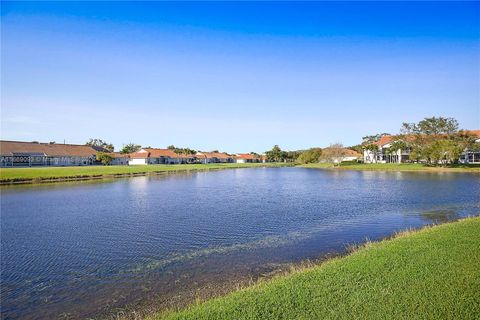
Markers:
<point>395,167</point>
<point>51,173</point>
<point>433,273</point>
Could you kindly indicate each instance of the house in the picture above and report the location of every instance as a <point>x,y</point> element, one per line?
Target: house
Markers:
<point>472,156</point>
<point>383,154</point>
<point>119,158</point>
<point>214,157</point>
<point>246,158</point>
<point>344,154</point>
<point>159,156</point>
<point>351,155</point>
<point>28,154</point>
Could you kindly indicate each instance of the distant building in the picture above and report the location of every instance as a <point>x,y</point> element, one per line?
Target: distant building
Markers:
<point>472,156</point>
<point>29,154</point>
<point>246,158</point>
<point>119,159</point>
<point>384,154</point>
<point>214,157</point>
<point>159,156</point>
<point>348,155</point>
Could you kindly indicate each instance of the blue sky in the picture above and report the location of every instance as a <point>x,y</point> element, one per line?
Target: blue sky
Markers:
<point>238,77</point>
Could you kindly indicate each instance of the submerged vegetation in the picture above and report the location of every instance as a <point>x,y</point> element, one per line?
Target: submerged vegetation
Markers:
<point>429,274</point>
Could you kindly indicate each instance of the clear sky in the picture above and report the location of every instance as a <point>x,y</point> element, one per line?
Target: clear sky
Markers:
<point>238,77</point>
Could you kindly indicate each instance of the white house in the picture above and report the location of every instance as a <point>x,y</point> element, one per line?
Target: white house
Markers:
<point>246,158</point>
<point>382,155</point>
<point>347,155</point>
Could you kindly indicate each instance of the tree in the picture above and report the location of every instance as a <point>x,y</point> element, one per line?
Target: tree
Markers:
<point>309,156</point>
<point>444,151</point>
<point>130,148</point>
<point>276,154</point>
<point>373,150</point>
<point>334,153</point>
<point>431,126</point>
<point>104,158</point>
<point>293,155</point>
<point>397,145</point>
<point>100,145</point>
<point>428,138</point>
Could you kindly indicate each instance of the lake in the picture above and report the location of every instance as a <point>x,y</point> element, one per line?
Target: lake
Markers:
<point>86,249</point>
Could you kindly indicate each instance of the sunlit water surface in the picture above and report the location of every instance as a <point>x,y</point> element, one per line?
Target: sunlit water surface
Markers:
<point>83,249</point>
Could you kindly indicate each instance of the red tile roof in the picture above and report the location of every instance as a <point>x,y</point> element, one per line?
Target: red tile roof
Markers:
<point>383,141</point>
<point>473,132</point>
<point>348,152</point>
<point>246,156</point>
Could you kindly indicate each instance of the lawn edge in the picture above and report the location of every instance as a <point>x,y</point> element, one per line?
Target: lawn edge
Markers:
<point>308,265</point>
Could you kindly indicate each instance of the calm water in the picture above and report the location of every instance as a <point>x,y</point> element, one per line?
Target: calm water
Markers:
<point>83,249</point>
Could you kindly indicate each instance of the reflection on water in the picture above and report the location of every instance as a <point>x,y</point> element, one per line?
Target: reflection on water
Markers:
<point>88,248</point>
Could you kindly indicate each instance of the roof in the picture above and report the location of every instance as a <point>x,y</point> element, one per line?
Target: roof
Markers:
<point>473,132</point>
<point>246,156</point>
<point>351,153</point>
<point>157,153</point>
<point>348,152</point>
<point>218,155</point>
<point>9,148</point>
<point>118,155</point>
<point>383,141</point>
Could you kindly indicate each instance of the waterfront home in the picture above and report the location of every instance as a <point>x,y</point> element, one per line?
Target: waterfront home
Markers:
<point>346,155</point>
<point>246,158</point>
<point>472,156</point>
<point>383,154</point>
<point>159,156</point>
<point>214,157</point>
<point>28,154</point>
<point>119,158</point>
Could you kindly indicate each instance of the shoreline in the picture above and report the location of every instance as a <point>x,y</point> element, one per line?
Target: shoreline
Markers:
<point>52,175</point>
<point>164,170</point>
<point>217,304</point>
<point>387,167</point>
<point>226,287</point>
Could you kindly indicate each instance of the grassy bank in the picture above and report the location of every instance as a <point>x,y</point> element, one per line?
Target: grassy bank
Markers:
<point>395,167</point>
<point>39,174</point>
<point>433,273</point>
